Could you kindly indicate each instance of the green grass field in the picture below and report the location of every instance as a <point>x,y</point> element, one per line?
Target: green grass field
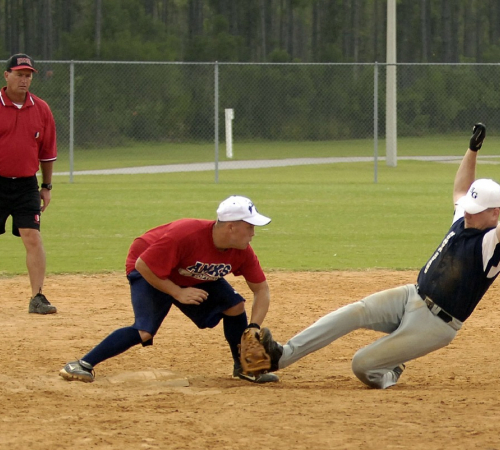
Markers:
<point>325,217</point>
<point>175,153</point>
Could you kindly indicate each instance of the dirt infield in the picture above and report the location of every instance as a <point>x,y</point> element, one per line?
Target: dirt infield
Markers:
<point>178,394</point>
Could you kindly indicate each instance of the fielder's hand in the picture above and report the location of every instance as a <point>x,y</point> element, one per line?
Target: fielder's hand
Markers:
<point>477,138</point>
<point>192,296</point>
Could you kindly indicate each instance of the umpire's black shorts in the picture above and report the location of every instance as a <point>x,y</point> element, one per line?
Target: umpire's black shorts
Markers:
<point>20,198</point>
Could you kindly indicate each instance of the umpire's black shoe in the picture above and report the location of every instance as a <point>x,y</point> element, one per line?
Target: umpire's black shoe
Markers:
<point>273,349</point>
<point>40,305</point>
<point>262,378</point>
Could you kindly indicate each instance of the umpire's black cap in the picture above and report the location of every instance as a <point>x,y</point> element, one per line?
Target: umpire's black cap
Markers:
<point>20,61</point>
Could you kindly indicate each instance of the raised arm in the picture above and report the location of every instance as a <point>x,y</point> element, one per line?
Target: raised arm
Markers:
<point>466,173</point>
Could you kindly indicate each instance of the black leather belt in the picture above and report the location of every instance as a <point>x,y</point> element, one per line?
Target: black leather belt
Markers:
<point>443,315</point>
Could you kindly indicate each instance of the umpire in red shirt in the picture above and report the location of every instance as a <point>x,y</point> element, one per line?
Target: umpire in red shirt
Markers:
<point>27,144</point>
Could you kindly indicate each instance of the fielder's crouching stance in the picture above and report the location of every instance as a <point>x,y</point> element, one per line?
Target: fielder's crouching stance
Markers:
<point>424,317</point>
<point>183,263</point>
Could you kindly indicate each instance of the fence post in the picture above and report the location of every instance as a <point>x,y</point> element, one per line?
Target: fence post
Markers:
<point>71,118</point>
<point>391,138</point>
<point>375,121</point>
<point>216,113</point>
<point>229,116</point>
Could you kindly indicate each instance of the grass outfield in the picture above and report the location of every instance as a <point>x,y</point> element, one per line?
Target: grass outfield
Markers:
<point>324,217</point>
<point>145,154</point>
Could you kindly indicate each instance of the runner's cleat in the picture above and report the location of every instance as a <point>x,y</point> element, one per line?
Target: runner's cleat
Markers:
<point>273,349</point>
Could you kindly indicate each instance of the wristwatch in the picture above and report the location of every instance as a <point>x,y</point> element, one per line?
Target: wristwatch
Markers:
<point>47,186</point>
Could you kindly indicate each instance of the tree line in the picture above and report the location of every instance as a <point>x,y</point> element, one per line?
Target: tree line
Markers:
<point>311,31</point>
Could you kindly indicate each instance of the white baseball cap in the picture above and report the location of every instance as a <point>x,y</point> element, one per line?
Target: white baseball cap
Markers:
<point>240,208</point>
<point>482,194</point>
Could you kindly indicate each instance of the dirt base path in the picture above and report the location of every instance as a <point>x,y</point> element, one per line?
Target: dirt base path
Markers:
<point>179,394</point>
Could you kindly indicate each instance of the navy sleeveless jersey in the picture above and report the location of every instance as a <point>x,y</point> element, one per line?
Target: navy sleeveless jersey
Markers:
<point>457,275</point>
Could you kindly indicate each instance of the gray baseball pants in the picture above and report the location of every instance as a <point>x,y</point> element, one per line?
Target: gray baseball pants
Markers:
<point>413,331</point>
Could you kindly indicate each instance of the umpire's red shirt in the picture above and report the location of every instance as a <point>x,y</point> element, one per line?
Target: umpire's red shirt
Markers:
<point>27,136</point>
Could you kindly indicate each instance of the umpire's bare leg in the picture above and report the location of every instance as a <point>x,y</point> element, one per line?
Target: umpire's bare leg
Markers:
<point>35,258</point>
<point>36,265</point>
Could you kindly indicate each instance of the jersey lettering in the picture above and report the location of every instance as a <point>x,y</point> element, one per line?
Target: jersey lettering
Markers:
<point>206,271</point>
<point>439,250</point>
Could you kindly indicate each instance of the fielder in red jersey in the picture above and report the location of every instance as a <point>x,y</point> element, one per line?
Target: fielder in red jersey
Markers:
<point>183,263</point>
<point>27,144</point>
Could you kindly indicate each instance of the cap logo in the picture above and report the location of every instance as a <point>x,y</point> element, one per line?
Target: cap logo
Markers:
<point>250,207</point>
<point>21,61</point>
<point>473,193</point>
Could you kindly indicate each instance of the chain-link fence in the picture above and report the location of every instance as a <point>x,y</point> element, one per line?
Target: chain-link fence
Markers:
<point>149,117</point>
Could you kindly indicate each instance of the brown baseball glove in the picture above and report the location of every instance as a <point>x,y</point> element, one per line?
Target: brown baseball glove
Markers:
<point>253,356</point>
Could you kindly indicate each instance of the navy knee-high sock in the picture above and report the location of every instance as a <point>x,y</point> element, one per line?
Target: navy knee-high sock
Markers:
<point>233,329</point>
<point>117,342</point>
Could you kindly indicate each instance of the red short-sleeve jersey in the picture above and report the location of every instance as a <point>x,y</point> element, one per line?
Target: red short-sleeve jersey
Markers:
<point>27,136</point>
<point>184,252</point>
